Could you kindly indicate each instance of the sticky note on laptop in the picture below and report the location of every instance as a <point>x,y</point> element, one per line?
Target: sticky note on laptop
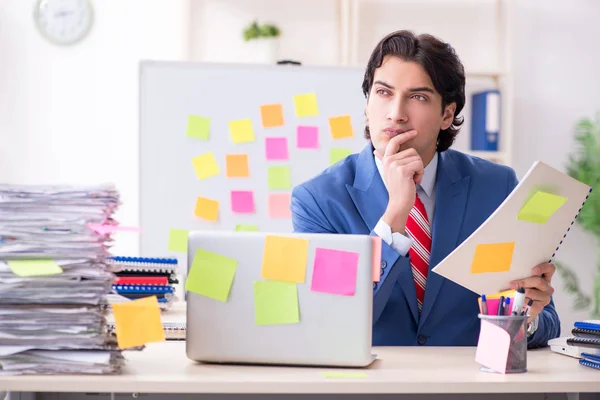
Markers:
<point>211,275</point>
<point>276,303</point>
<point>284,258</point>
<point>138,322</point>
<point>540,207</point>
<point>334,271</point>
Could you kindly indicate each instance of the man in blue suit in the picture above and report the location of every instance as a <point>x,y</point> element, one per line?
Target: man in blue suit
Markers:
<point>422,198</point>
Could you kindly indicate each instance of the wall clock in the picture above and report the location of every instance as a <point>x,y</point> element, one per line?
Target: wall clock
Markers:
<point>64,22</point>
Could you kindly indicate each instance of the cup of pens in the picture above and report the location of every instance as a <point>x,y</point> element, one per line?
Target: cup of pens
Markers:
<point>502,345</point>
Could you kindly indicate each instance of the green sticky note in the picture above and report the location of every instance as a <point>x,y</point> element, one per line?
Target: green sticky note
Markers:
<point>178,240</point>
<point>338,153</point>
<point>344,374</point>
<point>280,178</point>
<point>211,275</point>
<point>246,228</point>
<point>276,303</point>
<point>541,207</point>
<point>198,127</point>
<point>34,267</point>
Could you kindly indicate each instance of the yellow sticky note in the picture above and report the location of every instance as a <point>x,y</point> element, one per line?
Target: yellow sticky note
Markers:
<point>306,105</point>
<point>34,267</point>
<point>205,165</point>
<point>237,165</point>
<point>137,322</point>
<point>178,240</point>
<point>207,209</point>
<point>271,115</point>
<point>275,303</point>
<point>341,127</point>
<point>541,207</point>
<point>198,127</point>
<point>211,275</point>
<point>344,374</point>
<point>495,257</point>
<point>246,228</point>
<point>284,258</point>
<point>507,293</point>
<point>338,153</point>
<point>279,178</point>
<point>241,131</point>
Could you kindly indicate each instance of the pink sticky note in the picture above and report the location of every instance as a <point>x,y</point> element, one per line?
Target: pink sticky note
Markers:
<point>307,137</point>
<point>242,201</point>
<point>276,148</point>
<point>493,347</point>
<point>376,258</point>
<point>106,229</point>
<point>279,205</point>
<point>334,272</point>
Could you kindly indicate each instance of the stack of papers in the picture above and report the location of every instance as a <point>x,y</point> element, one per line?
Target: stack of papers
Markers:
<point>54,280</point>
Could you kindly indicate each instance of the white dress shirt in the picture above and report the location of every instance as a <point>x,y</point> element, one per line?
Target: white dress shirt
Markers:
<point>426,192</point>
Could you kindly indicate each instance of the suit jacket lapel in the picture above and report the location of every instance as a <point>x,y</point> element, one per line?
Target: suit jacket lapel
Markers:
<point>450,201</point>
<point>371,198</point>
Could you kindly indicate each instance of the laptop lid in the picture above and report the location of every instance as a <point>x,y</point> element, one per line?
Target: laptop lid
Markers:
<point>326,319</point>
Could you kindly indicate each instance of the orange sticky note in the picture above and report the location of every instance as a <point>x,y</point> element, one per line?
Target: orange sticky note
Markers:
<point>495,257</point>
<point>341,127</point>
<point>376,258</point>
<point>207,209</point>
<point>138,322</point>
<point>237,165</point>
<point>271,115</point>
<point>284,258</point>
<point>279,205</point>
<point>205,165</point>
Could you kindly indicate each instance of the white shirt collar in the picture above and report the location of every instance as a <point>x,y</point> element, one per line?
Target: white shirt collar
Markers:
<point>429,174</point>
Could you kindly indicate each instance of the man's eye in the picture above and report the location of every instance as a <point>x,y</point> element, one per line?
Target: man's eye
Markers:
<point>419,97</point>
<point>381,91</point>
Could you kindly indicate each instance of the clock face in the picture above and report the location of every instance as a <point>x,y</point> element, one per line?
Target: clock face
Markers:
<point>64,22</point>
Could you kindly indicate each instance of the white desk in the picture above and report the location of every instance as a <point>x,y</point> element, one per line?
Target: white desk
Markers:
<point>164,368</point>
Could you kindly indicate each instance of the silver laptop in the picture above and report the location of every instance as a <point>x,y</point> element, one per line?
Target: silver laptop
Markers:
<point>333,329</point>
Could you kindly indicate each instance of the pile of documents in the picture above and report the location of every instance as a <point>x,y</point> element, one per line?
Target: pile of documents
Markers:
<point>54,280</point>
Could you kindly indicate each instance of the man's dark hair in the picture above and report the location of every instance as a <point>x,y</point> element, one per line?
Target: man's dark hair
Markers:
<point>441,63</point>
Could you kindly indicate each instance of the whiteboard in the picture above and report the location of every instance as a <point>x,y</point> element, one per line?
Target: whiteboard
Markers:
<point>172,91</point>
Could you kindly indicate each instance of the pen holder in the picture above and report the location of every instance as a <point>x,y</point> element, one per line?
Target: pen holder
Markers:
<point>502,345</point>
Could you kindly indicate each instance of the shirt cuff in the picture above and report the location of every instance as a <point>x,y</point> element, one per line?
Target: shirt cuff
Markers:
<point>397,241</point>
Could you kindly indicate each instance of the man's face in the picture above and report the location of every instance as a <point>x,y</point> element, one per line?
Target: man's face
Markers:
<point>403,98</point>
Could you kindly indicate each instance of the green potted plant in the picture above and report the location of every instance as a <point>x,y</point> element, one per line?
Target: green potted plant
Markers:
<point>584,165</point>
<point>262,41</point>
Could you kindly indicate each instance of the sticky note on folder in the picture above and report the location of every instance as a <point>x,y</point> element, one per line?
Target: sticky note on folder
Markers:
<point>34,267</point>
<point>284,258</point>
<point>492,257</point>
<point>211,275</point>
<point>540,207</point>
<point>138,322</point>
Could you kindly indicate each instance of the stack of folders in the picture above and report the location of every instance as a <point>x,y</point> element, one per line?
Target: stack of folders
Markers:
<point>54,279</point>
<point>586,335</point>
<point>139,277</point>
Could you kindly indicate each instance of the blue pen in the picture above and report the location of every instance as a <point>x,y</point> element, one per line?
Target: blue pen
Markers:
<point>507,306</point>
<point>484,309</point>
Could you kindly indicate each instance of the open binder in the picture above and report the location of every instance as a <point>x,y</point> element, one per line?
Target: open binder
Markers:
<point>527,229</point>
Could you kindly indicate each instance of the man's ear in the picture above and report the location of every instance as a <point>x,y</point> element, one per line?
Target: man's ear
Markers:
<point>448,116</point>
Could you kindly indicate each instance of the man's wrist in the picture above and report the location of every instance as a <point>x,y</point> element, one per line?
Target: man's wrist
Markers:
<point>396,221</point>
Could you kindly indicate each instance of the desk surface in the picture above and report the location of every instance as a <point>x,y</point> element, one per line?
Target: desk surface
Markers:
<point>164,368</point>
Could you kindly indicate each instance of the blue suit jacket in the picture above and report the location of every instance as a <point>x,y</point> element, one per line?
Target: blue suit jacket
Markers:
<point>350,198</point>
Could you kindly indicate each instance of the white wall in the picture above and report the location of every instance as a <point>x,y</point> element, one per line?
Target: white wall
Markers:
<point>70,115</point>
<point>556,60</point>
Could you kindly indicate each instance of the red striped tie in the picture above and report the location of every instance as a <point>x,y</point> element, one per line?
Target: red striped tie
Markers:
<point>417,227</point>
